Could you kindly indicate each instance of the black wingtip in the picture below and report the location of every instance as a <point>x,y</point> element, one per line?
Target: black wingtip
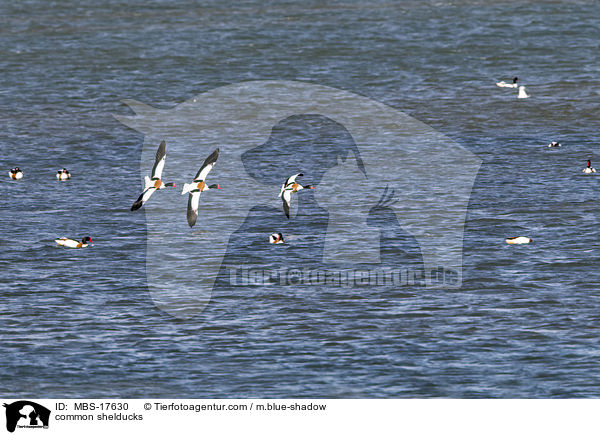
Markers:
<point>161,151</point>
<point>136,205</point>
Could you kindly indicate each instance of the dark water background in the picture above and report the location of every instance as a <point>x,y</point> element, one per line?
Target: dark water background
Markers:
<point>81,323</point>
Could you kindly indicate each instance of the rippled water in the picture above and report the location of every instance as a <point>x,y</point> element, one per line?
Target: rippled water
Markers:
<point>82,323</point>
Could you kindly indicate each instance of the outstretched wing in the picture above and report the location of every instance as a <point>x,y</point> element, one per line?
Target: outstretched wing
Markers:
<point>289,181</point>
<point>192,208</point>
<point>287,196</point>
<point>145,196</point>
<point>207,166</point>
<point>159,162</point>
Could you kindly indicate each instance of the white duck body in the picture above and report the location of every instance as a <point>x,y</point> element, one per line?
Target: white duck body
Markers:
<point>518,240</point>
<point>554,144</point>
<point>503,84</point>
<point>522,93</point>
<point>70,243</point>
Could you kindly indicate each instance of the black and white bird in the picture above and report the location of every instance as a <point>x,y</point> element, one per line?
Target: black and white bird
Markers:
<point>153,184</point>
<point>70,243</point>
<point>503,84</point>
<point>63,175</point>
<point>287,188</point>
<point>276,238</point>
<point>15,174</point>
<point>196,187</point>
<point>588,169</point>
<point>554,144</point>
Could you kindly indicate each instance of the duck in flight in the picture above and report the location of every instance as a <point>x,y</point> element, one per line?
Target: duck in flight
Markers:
<point>155,183</point>
<point>196,187</point>
<point>287,188</point>
<point>503,84</point>
<point>70,243</point>
<point>589,169</point>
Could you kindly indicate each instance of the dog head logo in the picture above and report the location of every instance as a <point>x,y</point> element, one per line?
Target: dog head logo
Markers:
<point>25,413</point>
<point>388,159</point>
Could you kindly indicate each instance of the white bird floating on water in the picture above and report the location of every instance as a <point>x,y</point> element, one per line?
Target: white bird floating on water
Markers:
<point>589,169</point>
<point>63,175</point>
<point>15,174</point>
<point>522,93</point>
<point>554,144</point>
<point>518,240</point>
<point>503,84</point>
<point>70,243</point>
<point>276,238</point>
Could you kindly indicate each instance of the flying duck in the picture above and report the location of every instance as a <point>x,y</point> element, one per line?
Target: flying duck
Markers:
<point>589,169</point>
<point>554,144</point>
<point>287,188</point>
<point>70,243</point>
<point>196,187</point>
<point>276,238</point>
<point>155,183</point>
<point>522,93</point>
<point>502,84</point>
<point>518,240</point>
<point>63,175</point>
<point>15,174</point>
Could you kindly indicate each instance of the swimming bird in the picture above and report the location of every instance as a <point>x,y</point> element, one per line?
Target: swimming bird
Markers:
<point>63,175</point>
<point>589,169</point>
<point>522,93</point>
<point>155,183</point>
<point>518,240</point>
<point>196,187</point>
<point>287,188</point>
<point>503,84</point>
<point>554,144</point>
<point>15,174</point>
<point>70,243</point>
<point>276,238</point>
